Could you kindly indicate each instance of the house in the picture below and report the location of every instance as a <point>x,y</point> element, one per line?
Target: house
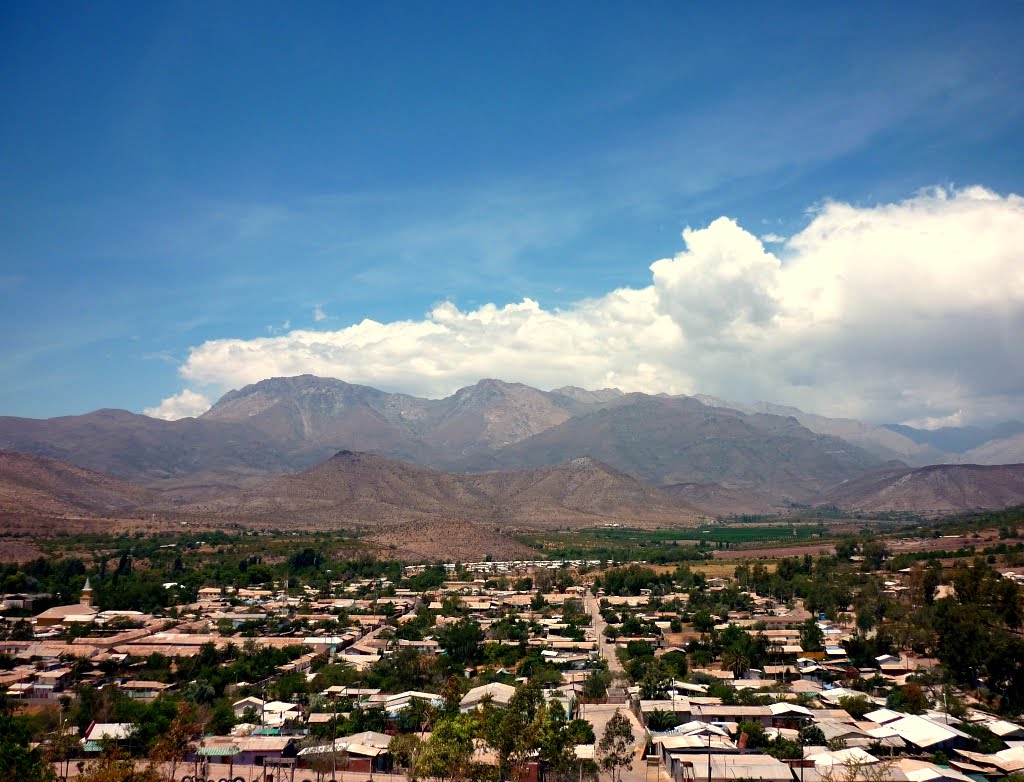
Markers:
<point>279,712</point>
<point>393,704</point>
<point>143,690</point>
<point>922,771</point>
<point>497,693</point>
<point>789,715</point>
<point>246,750</point>
<point>927,735</point>
<point>51,681</point>
<point>727,767</point>
<point>364,752</point>
<point>99,733</point>
<point>251,702</point>
<point>1007,731</point>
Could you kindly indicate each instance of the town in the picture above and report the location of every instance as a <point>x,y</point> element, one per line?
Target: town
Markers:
<point>856,664</point>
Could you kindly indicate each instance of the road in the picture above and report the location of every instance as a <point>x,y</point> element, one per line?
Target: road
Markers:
<point>604,647</point>
<point>599,714</point>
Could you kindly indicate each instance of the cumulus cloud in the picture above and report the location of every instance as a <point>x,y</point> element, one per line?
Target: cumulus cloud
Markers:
<point>319,314</point>
<point>184,405</point>
<point>910,310</point>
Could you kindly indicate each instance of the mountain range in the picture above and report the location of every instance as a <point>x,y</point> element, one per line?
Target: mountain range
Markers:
<point>499,453</point>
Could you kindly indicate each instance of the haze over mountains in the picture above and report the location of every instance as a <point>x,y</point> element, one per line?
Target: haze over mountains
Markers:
<point>501,452</point>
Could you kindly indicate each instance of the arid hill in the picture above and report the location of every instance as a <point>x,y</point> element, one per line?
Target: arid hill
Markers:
<point>448,539</point>
<point>724,500</point>
<point>147,450</point>
<point>33,484</point>
<point>355,489</point>
<point>943,488</point>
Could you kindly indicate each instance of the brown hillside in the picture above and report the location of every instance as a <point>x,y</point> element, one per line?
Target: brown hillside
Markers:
<point>357,489</point>
<point>449,539</point>
<point>941,488</point>
<point>35,485</point>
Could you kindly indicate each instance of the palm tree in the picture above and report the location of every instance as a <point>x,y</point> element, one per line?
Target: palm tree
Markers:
<point>736,660</point>
<point>660,720</point>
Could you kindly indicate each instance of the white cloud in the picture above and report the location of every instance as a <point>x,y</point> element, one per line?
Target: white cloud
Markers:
<point>771,238</point>
<point>319,314</point>
<point>953,419</point>
<point>911,310</point>
<point>184,405</point>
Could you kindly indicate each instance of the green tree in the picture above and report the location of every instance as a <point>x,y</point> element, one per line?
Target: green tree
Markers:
<point>18,763</point>
<point>448,753</point>
<point>811,636</point>
<point>655,680</point>
<point>222,719</point>
<point>676,662</point>
<point>615,749</point>
<point>856,705</point>
<point>660,720</point>
<point>909,698</point>
<point>596,683</point>
<point>406,748</point>
<point>736,660</point>
<point>511,731</point>
<point>462,641</point>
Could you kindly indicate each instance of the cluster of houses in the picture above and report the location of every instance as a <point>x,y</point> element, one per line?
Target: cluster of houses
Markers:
<point>707,741</point>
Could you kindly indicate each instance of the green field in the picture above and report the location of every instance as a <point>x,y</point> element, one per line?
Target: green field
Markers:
<point>669,545</point>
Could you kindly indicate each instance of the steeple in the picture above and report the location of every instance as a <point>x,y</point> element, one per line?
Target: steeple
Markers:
<point>86,598</point>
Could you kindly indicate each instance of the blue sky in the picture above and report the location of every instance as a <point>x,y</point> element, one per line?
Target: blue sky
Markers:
<point>181,173</point>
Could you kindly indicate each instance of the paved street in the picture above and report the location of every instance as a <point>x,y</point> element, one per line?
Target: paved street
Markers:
<point>599,714</point>
<point>606,649</point>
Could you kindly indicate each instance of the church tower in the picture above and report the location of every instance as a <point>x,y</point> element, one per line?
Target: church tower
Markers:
<point>86,598</point>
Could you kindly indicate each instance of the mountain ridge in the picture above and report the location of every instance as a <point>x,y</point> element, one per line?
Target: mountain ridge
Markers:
<point>741,454</point>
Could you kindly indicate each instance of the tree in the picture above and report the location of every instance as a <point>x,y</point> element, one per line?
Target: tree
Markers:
<point>406,748</point>
<point>175,744</point>
<point>736,660</point>
<point>511,731</point>
<point>655,680</point>
<point>856,705</point>
<point>115,766</point>
<point>222,719</point>
<point>448,753</point>
<point>757,736</point>
<point>596,683</point>
<point>909,698</point>
<point>703,622</point>
<point>811,636</point>
<point>581,731</point>
<point>857,771</point>
<point>615,749</point>
<point>676,661</point>
<point>62,747</point>
<point>555,739</point>
<point>18,763</point>
<point>659,720</point>
<point>462,641</point>
<point>812,736</point>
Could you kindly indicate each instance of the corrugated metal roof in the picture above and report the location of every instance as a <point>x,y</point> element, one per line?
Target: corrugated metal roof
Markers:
<point>218,752</point>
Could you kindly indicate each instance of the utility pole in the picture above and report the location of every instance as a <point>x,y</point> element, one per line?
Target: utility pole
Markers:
<point>334,744</point>
<point>709,756</point>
